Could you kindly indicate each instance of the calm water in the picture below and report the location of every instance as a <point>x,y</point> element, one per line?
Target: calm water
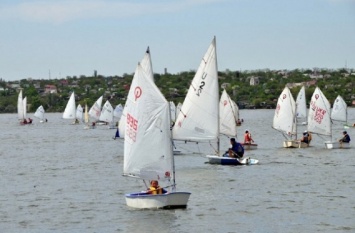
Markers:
<point>57,177</point>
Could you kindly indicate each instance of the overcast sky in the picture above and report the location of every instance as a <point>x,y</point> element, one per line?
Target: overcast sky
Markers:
<point>59,38</point>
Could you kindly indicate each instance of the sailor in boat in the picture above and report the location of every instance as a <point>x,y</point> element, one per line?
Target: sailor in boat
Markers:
<point>306,137</point>
<point>239,122</point>
<point>236,150</point>
<point>29,121</point>
<point>24,121</point>
<point>345,138</point>
<point>155,188</point>
<point>247,137</point>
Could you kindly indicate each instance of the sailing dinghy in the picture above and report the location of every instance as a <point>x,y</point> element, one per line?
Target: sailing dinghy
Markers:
<point>40,114</point>
<point>301,107</point>
<point>70,108</point>
<point>198,119</point>
<point>339,113</point>
<point>148,152</point>
<point>22,109</point>
<point>285,120</point>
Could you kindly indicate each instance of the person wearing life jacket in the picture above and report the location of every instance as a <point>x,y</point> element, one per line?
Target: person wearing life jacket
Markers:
<point>247,137</point>
<point>155,188</point>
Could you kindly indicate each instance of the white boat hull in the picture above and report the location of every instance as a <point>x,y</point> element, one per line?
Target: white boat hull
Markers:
<point>294,144</point>
<point>214,159</point>
<point>252,146</point>
<point>160,201</point>
<point>336,145</point>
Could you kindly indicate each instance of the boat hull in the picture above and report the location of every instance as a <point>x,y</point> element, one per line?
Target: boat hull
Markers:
<point>294,144</point>
<point>171,200</point>
<point>214,159</point>
<point>252,146</point>
<point>336,145</point>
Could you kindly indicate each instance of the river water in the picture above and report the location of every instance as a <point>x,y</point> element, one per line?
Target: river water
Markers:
<point>57,177</point>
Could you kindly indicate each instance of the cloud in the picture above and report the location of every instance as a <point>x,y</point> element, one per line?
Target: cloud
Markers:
<point>65,11</point>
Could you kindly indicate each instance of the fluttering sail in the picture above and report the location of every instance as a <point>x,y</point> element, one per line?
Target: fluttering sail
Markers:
<point>199,114</point>
<point>107,113</point>
<point>227,115</point>
<point>79,112</point>
<point>95,110</point>
<point>319,121</point>
<point>301,106</point>
<point>284,117</point>
<point>39,113</point>
<point>339,110</point>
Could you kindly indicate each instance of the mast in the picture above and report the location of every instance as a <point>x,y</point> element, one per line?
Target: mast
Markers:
<point>218,120</point>
<point>171,147</point>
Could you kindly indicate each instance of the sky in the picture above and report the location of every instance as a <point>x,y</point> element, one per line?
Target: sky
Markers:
<point>59,38</point>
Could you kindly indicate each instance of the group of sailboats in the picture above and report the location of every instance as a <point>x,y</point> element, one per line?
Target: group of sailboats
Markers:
<point>319,121</point>
<point>106,115</point>
<point>147,119</point>
<point>201,122</point>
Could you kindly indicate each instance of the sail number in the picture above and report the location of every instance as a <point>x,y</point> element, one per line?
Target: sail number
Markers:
<point>132,124</point>
<point>202,84</point>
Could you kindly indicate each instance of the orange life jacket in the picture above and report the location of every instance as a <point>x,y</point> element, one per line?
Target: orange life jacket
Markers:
<point>157,190</point>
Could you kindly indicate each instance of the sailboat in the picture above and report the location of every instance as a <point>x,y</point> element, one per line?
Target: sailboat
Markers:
<point>40,114</point>
<point>229,116</point>
<point>198,119</point>
<point>107,114</point>
<point>339,110</point>
<point>70,111</point>
<point>95,110</point>
<point>21,109</point>
<point>285,120</point>
<point>87,118</point>
<point>319,118</point>
<point>301,107</point>
<point>338,113</point>
<point>148,124</point>
<point>79,113</point>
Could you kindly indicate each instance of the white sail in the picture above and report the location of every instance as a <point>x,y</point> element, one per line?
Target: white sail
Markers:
<point>86,114</point>
<point>236,111</point>
<point>199,115</point>
<point>227,115</point>
<point>24,102</point>
<point>319,121</point>
<point>178,108</point>
<point>147,124</point>
<point>70,111</point>
<point>79,112</point>
<point>146,65</point>
<point>301,111</point>
<point>118,111</point>
<point>339,111</point>
<point>172,111</point>
<point>20,109</point>
<point>95,110</point>
<point>285,113</point>
<point>40,113</point>
<point>107,112</point>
